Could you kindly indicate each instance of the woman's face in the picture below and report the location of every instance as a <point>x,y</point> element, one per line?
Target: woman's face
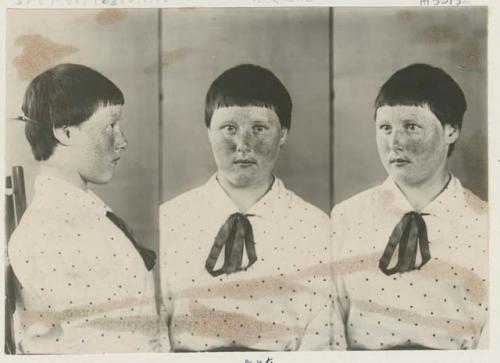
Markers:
<point>245,142</point>
<point>412,143</point>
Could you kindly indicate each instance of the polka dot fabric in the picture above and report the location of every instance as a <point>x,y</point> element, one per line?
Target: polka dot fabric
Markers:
<point>444,305</point>
<point>83,286</point>
<point>281,303</point>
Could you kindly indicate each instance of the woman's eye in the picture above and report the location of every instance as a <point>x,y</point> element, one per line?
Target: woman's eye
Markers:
<point>259,128</point>
<point>384,127</point>
<point>412,127</point>
<point>229,128</point>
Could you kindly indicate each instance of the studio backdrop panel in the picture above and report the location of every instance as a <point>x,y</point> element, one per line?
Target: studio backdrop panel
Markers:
<point>199,44</point>
<point>369,45</point>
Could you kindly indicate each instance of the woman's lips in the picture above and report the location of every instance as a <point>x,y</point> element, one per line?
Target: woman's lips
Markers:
<point>399,161</point>
<point>244,162</point>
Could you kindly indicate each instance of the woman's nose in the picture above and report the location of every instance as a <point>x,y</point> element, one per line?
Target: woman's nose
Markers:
<point>121,143</point>
<point>398,140</point>
<point>244,141</point>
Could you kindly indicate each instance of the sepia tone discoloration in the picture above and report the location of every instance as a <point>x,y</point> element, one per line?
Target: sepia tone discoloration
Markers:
<point>111,16</point>
<point>476,288</point>
<point>79,311</point>
<point>272,286</point>
<point>39,53</point>
<point>49,325</point>
<point>356,264</point>
<point>406,15</point>
<point>147,325</point>
<point>468,55</point>
<point>241,327</point>
<point>168,58</point>
<point>438,34</point>
<point>388,200</point>
<point>448,324</point>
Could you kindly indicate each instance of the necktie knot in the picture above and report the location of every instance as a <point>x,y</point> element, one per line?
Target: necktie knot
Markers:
<point>235,235</point>
<point>409,236</point>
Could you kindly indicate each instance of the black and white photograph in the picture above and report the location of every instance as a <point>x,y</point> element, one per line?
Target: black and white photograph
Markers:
<point>249,181</point>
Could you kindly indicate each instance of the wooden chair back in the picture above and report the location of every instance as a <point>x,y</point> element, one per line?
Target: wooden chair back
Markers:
<point>15,205</point>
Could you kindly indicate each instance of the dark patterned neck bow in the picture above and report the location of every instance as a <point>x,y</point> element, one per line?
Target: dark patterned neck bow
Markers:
<point>409,235</point>
<point>234,234</point>
<point>148,256</point>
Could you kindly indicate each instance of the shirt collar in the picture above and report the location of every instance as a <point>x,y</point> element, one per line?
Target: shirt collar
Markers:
<point>394,200</point>
<point>450,198</point>
<point>264,207</point>
<point>61,192</point>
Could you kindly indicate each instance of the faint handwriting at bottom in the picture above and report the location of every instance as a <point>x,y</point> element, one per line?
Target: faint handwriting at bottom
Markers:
<point>268,360</point>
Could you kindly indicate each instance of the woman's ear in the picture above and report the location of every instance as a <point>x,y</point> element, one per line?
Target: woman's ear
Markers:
<point>451,133</point>
<point>65,134</point>
<point>283,136</point>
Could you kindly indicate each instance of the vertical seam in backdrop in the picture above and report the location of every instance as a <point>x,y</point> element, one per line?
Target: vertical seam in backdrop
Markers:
<point>160,111</point>
<point>330,104</point>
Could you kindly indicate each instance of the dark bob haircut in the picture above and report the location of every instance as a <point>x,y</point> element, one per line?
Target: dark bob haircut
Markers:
<point>249,85</point>
<point>65,95</point>
<point>425,85</point>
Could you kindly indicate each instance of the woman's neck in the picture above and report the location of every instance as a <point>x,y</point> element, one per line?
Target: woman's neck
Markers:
<point>59,169</point>
<point>245,197</point>
<point>422,194</point>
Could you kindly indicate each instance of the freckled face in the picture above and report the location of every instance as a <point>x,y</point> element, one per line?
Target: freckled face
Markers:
<point>412,143</point>
<point>245,143</point>
<point>98,144</point>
